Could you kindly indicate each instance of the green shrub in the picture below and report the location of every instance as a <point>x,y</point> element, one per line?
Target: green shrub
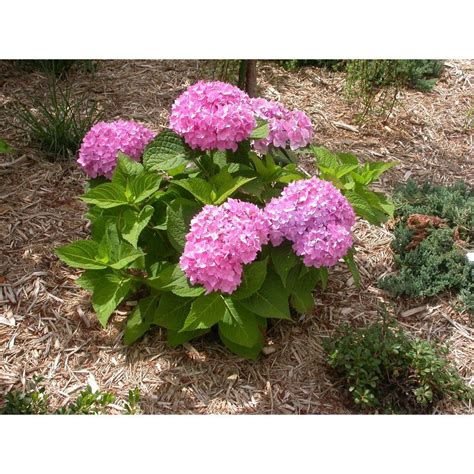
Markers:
<point>374,84</point>
<point>58,122</point>
<point>139,225</point>
<point>385,369</point>
<point>332,64</point>
<point>35,402</point>
<point>54,67</point>
<point>438,263</point>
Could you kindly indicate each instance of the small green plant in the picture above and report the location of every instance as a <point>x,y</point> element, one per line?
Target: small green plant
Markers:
<point>58,122</point>
<point>54,67</point>
<point>331,64</point>
<point>438,262</point>
<point>35,402</point>
<point>5,147</point>
<point>374,84</point>
<point>385,369</point>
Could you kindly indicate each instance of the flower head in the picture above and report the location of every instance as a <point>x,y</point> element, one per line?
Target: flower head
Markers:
<point>220,241</point>
<point>101,144</point>
<point>286,127</point>
<point>316,217</point>
<point>212,115</point>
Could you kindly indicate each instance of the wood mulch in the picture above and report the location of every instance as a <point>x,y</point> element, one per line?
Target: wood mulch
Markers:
<point>47,326</point>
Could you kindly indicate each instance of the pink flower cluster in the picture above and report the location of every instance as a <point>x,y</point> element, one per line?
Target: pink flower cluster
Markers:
<point>212,115</point>
<point>291,127</point>
<point>101,144</point>
<point>221,240</point>
<point>316,217</point>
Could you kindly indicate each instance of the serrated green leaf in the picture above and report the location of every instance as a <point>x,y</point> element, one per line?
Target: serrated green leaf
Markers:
<point>125,170</point>
<point>108,289</point>
<point>139,322</point>
<point>226,190</point>
<point>260,131</point>
<point>199,188</point>
<point>143,186</point>
<point>239,325</point>
<point>253,277</point>
<point>81,254</point>
<point>284,259</point>
<point>173,279</point>
<point>251,353</point>
<point>172,311</point>
<point>106,196</point>
<point>271,300</point>
<point>205,311</point>
<point>123,256</point>
<point>324,157</point>
<point>362,207</point>
<point>134,223</point>
<point>166,152</point>
<point>179,214</point>
<point>176,338</point>
<point>302,300</point>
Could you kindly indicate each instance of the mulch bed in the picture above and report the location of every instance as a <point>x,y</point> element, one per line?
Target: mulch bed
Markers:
<point>47,326</point>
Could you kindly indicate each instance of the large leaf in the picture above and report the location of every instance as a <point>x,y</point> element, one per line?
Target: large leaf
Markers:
<point>284,259</point>
<point>261,130</point>
<point>176,338</point>
<point>223,192</point>
<point>271,300</point>
<point>198,187</point>
<point>324,157</point>
<point>302,300</point>
<point>172,311</point>
<point>134,223</point>
<point>179,215</point>
<point>173,279</point>
<point>106,196</point>
<point>205,311</point>
<point>140,320</point>
<point>363,208</point>
<point>253,277</point>
<point>242,351</point>
<point>108,288</point>
<point>143,186</point>
<point>81,254</point>
<point>239,325</point>
<point>167,151</point>
<point>125,170</point>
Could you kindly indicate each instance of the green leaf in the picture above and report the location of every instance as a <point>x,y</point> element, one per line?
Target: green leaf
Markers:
<point>179,215</point>
<point>143,186</point>
<point>228,189</point>
<point>199,188</point>
<point>271,300</point>
<point>260,131</point>
<point>347,158</point>
<point>140,320</point>
<point>302,300</point>
<point>134,223</point>
<point>205,311</point>
<point>173,279</point>
<point>284,259</point>
<point>362,207</point>
<point>350,262</point>
<point>324,157</point>
<point>106,196</point>
<point>5,147</point>
<point>108,288</point>
<point>123,256</point>
<point>252,279</point>
<point>172,311</point>
<point>239,325</point>
<point>242,351</point>
<point>176,338</point>
<point>125,170</point>
<point>81,254</point>
<point>167,151</point>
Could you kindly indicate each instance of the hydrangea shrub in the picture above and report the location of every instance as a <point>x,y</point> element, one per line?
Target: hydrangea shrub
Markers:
<point>211,224</point>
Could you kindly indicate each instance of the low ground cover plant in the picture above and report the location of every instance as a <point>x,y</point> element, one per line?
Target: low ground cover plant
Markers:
<point>212,224</point>
<point>385,369</point>
<point>35,401</point>
<point>434,232</point>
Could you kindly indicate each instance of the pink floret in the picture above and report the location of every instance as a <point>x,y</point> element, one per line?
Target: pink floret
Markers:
<point>316,218</point>
<point>101,144</point>
<point>212,115</point>
<point>220,241</point>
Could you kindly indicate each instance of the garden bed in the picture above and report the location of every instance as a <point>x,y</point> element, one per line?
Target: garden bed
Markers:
<point>48,328</point>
